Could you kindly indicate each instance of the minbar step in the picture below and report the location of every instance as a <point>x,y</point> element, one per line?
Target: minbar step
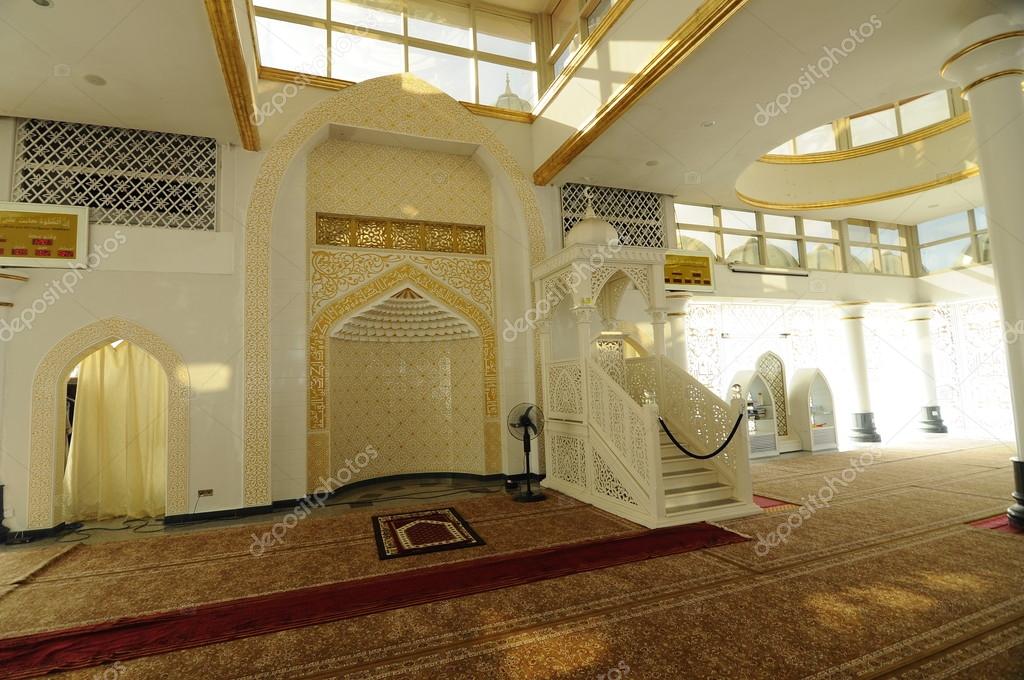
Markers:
<point>706,505</point>
<point>689,478</point>
<point>698,494</point>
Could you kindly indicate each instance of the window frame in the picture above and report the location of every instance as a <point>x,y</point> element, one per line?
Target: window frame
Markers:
<point>874,242</point>
<point>473,53</point>
<point>973,234</point>
<point>843,132</point>
<point>580,29</point>
<point>840,241</point>
<point>762,235</point>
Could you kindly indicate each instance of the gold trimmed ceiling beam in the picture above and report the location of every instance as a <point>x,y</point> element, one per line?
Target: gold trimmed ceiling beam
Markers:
<point>708,18</point>
<point>868,149</point>
<point>224,27</point>
<point>281,75</point>
<point>861,200</point>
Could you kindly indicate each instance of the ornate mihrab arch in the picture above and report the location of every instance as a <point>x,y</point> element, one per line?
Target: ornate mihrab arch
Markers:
<point>318,451</point>
<point>48,418</point>
<point>402,104</point>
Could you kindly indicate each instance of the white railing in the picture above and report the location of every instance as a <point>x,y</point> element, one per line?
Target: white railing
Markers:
<point>702,421</point>
<point>642,378</point>
<point>629,435</point>
<point>609,451</point>
<point>565,390</point>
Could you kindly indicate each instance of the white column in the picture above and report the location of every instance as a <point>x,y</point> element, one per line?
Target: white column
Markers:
<point>658,320</point>
<point>852,314</point>
<point>989,67</point>
<point>919,317</point>
<point>677,303</point>
<point>4,307</point>
<point>587,327</point>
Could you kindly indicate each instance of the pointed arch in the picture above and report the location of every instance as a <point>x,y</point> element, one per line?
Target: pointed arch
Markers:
<point>385,285</point>
<point>48,419</point>
<point>608,273</point>
<point>402,104</point>
<point>772,370</point>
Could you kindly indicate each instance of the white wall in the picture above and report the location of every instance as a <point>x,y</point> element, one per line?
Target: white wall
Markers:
<point>288,344</point>
<point>186,288</point>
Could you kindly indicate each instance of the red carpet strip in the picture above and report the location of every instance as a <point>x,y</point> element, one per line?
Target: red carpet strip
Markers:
<point>133,637</point>
<point>999,523</point>
<point>773,504</point>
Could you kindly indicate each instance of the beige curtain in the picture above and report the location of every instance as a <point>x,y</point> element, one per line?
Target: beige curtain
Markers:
<point>118,455</point>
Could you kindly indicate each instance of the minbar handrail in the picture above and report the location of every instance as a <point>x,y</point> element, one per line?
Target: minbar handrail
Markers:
<point>691,454</point>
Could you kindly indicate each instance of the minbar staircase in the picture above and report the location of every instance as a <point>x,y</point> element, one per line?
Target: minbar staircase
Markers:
<point>610,449</point>
<point>691,486</point>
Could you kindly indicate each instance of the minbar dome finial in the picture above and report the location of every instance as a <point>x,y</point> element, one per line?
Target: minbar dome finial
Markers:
<point>591,230</point>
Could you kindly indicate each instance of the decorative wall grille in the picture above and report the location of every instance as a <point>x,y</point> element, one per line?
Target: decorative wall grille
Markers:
<point>636,215</point>
<point>371,232</point>
<point>125,177</point>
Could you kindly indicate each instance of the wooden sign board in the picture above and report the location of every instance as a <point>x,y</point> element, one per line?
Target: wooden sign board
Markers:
<point>689,271</point>
<point>36,235</point>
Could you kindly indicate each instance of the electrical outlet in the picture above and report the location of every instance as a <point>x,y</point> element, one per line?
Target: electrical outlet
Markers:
<point>205,492</point>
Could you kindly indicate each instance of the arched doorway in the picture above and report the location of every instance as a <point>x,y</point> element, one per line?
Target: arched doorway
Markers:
<point>116,458</point>
<point>48,438</point>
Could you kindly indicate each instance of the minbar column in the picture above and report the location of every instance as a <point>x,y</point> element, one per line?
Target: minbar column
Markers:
<point>677,303</point>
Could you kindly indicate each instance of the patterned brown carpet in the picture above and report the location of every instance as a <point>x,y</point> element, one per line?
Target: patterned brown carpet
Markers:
<point>179,572</point>
<point>883,580</point>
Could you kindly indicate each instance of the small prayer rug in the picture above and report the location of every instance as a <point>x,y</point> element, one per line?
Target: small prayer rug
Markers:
<point>421,532</point>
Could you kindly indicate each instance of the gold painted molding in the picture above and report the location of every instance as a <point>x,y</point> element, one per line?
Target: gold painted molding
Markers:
<point>334,84</point>
<point>981,43</point>
<point>708,18</point>
<point>868,149</point>
<point>224,27</point>
<point>991,76</point>
<point>582,54</point>
<point>13,277</point>
<point>860,200</point>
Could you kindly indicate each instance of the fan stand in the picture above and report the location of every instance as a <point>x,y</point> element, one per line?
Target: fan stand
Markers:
<point>528,496</point>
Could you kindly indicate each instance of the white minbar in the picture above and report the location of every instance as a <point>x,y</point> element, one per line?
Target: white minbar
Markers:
<point>813,414</point>
<point>989,68</point>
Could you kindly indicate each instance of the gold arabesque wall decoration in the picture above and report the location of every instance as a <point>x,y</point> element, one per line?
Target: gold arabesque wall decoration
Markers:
<point>402,104</point>
<point>372,232</point>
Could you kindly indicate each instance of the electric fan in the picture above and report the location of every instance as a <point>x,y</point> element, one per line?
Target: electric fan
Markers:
<point>525,422</point>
